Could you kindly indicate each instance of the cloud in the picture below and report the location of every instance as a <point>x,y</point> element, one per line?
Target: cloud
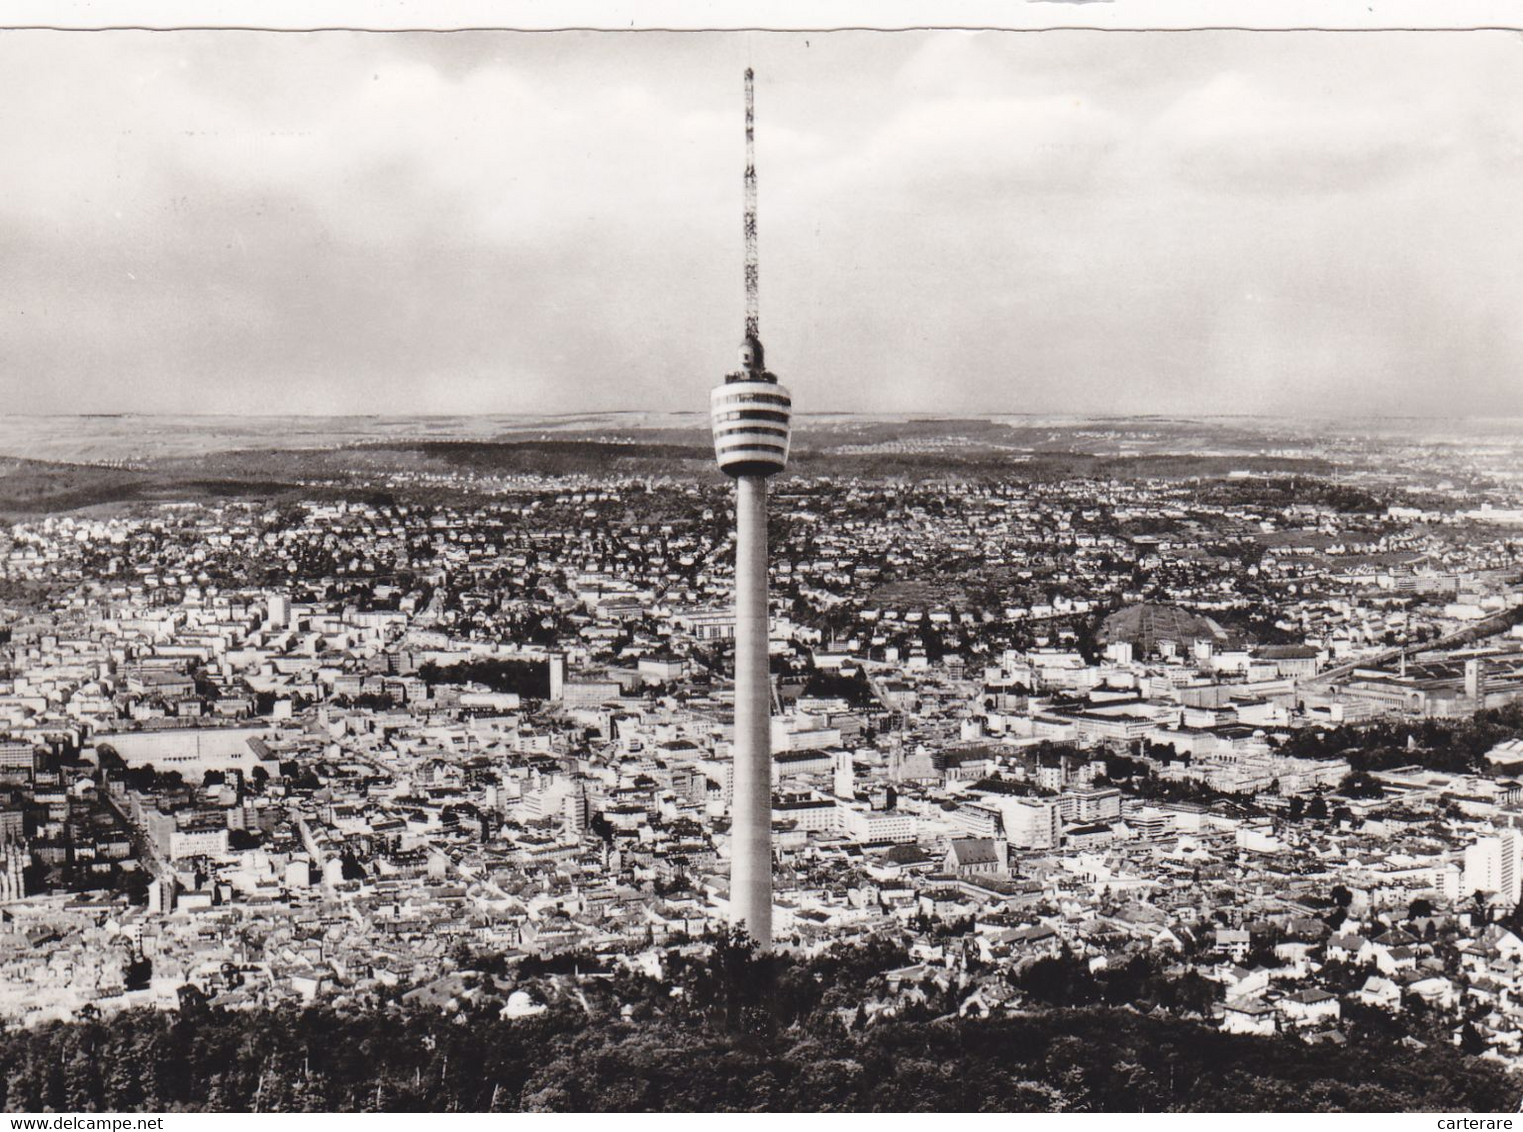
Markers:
<point>959,222</point>
<point>1234,134</point>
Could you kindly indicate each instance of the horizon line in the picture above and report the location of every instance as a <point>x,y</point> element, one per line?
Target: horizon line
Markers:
<point>902,414</point>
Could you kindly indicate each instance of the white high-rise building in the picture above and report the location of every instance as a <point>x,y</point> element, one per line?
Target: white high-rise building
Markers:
<point>845,776</point>
<point>1030,823</point>
<point>557,677</point>
<point>576,810</point>
<point>1495,864</point>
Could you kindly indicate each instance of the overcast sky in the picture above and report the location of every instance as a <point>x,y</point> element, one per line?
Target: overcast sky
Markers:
<point>951,222</point>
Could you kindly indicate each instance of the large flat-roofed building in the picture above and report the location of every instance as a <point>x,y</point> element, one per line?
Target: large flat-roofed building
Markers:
<point>1291,660</point>
<point>1116,723</point>
<point>590,693</point>
<point>978,819</point>
<point>788,764</point>
<point>198,841</point>
<point>814,814</point>
<point>160,682</point>
<point>707,624</point>
<point>193,751</point>
<point>863,824</point>
<point>15,756</point>
<point>1085,806</point>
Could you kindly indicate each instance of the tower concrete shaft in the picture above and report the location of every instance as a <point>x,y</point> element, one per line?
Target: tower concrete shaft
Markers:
<point>751,816</point>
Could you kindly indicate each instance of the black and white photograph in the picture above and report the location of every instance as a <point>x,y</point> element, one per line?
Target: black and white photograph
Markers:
<point>782,567</point>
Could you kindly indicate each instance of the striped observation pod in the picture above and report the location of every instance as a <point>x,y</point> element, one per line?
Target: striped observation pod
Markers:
<point>752,417</point>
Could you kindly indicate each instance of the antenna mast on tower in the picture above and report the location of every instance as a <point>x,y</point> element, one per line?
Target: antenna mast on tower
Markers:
<point>753,271</point>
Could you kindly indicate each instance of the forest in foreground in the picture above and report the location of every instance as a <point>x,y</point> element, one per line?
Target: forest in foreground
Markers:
<point>744,1035</point>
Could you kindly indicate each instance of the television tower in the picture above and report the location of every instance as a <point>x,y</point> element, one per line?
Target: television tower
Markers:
<point>751,417</point>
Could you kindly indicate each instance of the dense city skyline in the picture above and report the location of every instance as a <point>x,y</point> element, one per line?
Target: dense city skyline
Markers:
<point>1079,222</point>
<point>1155,750</point>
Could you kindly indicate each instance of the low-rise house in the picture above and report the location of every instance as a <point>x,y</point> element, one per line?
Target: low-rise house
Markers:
<point>1248,1016</point>
<point>1310,1006</point>
<point>1380,992</point>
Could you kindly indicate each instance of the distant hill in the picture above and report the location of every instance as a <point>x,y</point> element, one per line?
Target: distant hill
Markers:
<point>50,464</point>
<point>32,487</point>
